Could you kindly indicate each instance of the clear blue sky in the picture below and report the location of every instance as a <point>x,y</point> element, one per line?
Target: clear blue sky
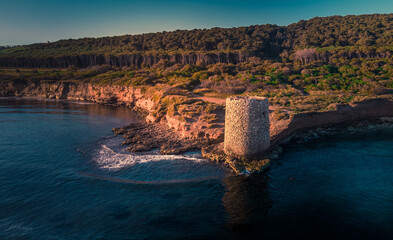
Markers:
<point>30,21</point>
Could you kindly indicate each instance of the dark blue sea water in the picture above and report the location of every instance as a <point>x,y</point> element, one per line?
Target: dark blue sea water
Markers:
<point>64,176</point>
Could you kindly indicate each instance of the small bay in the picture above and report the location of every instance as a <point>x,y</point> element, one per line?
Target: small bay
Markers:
<point>63,175</point>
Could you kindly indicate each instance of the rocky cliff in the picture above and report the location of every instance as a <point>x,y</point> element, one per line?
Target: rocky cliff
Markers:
<point>195,128</point>
<point>370,109</point>
<point>201,126</point>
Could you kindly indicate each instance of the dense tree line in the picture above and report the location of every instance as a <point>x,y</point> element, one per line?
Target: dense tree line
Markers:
<point>265,41</point>
<point>363,30</point>
<point>311,65</point>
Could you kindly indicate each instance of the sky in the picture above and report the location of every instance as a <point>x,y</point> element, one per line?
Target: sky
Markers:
<point>32,21</point>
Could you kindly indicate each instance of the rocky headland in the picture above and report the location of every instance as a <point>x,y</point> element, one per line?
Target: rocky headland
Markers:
<point>177,121</point>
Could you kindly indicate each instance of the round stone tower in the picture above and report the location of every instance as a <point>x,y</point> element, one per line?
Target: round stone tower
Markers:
<point>246,126</point>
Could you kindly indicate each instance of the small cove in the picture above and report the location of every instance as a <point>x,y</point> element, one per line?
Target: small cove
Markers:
<point>335,187</point>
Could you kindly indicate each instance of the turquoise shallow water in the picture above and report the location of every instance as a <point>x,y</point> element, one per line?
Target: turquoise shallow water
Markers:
<point>64,176</point>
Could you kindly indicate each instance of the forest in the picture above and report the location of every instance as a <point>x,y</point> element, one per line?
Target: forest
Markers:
<point>311,65</point>
<point>265,41</point>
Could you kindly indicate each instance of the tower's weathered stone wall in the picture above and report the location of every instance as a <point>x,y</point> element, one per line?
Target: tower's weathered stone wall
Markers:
<point>246,126</point>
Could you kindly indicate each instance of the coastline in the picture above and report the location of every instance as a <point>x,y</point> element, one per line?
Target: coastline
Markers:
<point>198,132</point>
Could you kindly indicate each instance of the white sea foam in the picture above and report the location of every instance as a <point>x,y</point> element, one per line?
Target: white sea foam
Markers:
<point>80,102</point>
<point>112,157</point>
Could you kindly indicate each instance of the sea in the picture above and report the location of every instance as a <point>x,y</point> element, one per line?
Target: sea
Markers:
<point>64,175</point>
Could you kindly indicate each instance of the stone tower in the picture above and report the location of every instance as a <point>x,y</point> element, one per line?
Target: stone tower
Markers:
<point>246,126</point>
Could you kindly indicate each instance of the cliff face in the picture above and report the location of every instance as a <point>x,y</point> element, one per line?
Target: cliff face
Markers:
<point>371,109</point>
<point>195,127</point>
<point>113,95</point>
<point>136,60</point>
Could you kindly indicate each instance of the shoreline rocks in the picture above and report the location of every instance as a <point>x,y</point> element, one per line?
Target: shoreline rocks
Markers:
<point>196,132</point>
<point>144,136</point>
<point>353,128</point>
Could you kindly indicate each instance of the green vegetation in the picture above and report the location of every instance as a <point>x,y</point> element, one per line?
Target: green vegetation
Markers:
<point>294,87</point>
<point>263,41</point>
<point>307,66</point>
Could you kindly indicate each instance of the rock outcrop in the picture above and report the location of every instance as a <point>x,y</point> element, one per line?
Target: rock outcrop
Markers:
<point>370,109</point>
<point>208,131</point>
<point>131,97</point>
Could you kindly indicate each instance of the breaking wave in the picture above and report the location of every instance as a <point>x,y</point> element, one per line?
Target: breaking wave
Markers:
<point>80,102</point>
<point>113,156</point>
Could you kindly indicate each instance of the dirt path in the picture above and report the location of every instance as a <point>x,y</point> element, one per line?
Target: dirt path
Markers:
<point>218,101</point>
<point>221,101</point>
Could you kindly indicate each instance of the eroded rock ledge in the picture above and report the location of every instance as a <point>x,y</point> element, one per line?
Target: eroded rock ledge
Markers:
<point>171,107</point>
<point>370,109</point>
<point>146,136</point>
<point>370,114</point>
<point>179,122</point>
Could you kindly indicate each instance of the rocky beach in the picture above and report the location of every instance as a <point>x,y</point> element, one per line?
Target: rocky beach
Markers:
<point>181,132</point>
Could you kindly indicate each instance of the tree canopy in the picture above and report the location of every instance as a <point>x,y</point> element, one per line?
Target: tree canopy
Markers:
<point>265,41</point>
